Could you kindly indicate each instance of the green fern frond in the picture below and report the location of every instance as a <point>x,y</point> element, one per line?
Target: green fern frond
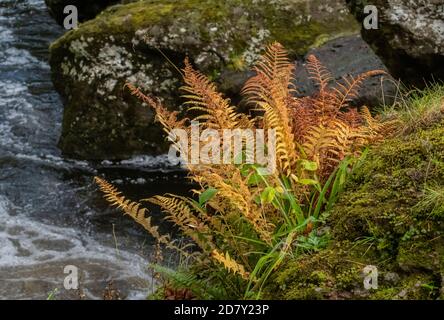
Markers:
<point>183,279</point>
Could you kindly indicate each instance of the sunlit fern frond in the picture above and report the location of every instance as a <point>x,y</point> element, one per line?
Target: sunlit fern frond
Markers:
<point>181,214</point>
<point>273,72</point>
<point>286,154</point>
<point>270,92</point>
<point>319,142</point>
<point>131,208</point>
<point>202,96</point>
<point>230,264</point>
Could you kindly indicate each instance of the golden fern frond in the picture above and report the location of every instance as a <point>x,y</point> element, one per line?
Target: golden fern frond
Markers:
<point>203,96</point>
<point>274,72</point>
<point>318,73</point>
<point>375,129</point>
<point>179,212</point>
<point>286,155</point>
<point>230,264</point>
<point>349,90</point>
<point>320,141</point>
<point>270,91</point>
<point>131,208</point>
<point>235,195</point>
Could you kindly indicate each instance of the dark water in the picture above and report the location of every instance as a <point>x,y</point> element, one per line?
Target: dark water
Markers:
<point>51,214</point>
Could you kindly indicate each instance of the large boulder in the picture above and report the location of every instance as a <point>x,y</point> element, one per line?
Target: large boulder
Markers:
<point>91,64</point>
<point>342,56</point>
<point>409,39</point>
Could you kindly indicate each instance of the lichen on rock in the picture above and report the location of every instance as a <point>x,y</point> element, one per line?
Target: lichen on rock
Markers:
<point>409,37</point>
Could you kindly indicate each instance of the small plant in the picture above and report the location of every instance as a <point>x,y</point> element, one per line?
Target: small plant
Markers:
<point>245,222</point>
<point>433,201</point>
<point>52,294</point>
<point>417,109</point>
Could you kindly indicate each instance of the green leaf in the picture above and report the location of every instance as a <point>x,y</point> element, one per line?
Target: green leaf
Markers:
<point>245,169</point>
<point>308,182</point>
<point>262,171</point>
<point>207,195</point>
<point>267,196</point>
<point>254,179</point>
<point>309,165</point>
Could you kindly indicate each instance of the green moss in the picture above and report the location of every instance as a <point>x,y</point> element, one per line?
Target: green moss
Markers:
<point>93,62</point>
<point>384,191</point>
<point>377,222</point>
<point>324,275</point>
<point>241,21</point>
<point>347,279</point>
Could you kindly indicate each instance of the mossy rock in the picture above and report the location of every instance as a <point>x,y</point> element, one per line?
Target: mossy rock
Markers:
<point>91,64</point>
<point>384,193</point>
<point>333,273</point>
<point>379,221</point>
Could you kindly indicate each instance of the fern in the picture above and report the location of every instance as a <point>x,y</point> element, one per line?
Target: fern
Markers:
<point>270,90</point>
<point>183,279</point>
<point>180,213</point>
<point>230,264</point>
<point>251,221</point>
<point>138,214</point>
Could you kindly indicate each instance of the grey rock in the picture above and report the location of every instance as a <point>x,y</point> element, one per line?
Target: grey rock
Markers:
<point>350,56</point>
<point>91,64</point>
<point>391,277</point>
<point>410,37</point>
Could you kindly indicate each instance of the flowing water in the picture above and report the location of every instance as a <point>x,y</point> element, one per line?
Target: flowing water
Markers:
<point>51,214</point>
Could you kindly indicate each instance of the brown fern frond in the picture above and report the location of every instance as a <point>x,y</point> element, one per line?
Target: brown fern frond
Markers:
<point>348,91</point>
<point>181,214</point>
<point>203,96</point>
<point>131,208</point>
<point>137,92</point>
<point>167,118</point>
<point>318,73</point>
<point>230,264</point>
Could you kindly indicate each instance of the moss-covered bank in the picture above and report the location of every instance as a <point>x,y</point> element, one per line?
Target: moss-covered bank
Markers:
<point>380,220</point>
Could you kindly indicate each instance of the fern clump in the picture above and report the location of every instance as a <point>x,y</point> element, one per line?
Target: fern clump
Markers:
<point>245,222</point>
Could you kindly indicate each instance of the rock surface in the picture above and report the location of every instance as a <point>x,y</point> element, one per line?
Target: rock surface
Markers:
<point>409,39</point>
<point>350,56</point>
<point>91,64</point>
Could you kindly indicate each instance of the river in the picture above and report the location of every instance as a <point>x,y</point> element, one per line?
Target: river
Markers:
<point>51,214</point>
